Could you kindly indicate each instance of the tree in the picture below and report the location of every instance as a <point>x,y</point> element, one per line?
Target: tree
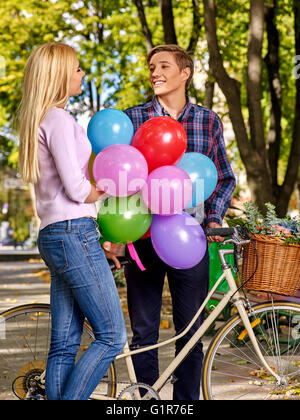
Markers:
<point>250,46</point>
<point>169,32</point>
<point>261,158</point>
<point>24,25</point>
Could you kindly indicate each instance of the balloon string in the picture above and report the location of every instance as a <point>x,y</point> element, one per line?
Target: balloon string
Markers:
<point>134,256</point>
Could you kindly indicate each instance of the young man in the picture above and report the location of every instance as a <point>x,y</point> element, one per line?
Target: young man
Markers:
<point>171,70</point>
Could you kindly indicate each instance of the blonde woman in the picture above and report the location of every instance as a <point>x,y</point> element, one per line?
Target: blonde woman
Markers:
<point>54,154</point>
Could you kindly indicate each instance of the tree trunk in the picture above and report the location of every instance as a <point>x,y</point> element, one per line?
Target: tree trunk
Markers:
<point>100,12</point>
<point>272,64</point>
<point>91,101</point>
<point>196,28</point>
<point>229,86</point>
<point>292,171</point>
<point>209,94</point>
<point>253,151</point>
<point>145,27</point>
<point>260,176</point>
<point>255,40</point>
<point>298,193</point>
<point>168,21</point>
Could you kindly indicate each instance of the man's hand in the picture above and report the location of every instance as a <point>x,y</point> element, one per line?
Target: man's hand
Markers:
<point>111,252</point>
<point>214,225</point>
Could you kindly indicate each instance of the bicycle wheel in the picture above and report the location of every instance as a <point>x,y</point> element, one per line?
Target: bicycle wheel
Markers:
<point>24,344</point>
<point>231,368</point>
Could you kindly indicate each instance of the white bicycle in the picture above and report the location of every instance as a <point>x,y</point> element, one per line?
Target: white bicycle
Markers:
<point>254,355</point>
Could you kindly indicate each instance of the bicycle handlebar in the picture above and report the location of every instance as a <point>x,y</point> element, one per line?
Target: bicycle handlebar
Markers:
<point>227,231</point>
<point>123,261</point>
<point>237,233</point>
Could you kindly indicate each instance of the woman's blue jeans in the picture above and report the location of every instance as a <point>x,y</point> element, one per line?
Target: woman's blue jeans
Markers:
<point>82,286</point>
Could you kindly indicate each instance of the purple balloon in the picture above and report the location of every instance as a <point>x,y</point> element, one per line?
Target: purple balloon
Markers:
<point>120,170</point>
<point>178,240</point>
<point>168,190</point>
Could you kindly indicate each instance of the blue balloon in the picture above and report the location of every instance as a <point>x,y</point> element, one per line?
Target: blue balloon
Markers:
<point>203,173</point>
<point>107,127</point>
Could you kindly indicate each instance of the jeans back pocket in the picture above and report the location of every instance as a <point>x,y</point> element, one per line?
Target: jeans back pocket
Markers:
<point>54,254</point>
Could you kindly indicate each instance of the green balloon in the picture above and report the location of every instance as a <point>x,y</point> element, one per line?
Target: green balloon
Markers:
<point>124,219</point>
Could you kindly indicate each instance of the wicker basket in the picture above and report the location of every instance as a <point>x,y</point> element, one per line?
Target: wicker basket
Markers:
<point>278,268</point>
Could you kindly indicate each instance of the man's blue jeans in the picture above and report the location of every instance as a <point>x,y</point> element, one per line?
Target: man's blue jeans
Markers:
<point>82,286</point>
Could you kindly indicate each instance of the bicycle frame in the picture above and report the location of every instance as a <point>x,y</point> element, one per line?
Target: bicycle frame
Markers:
<point>238,302</point>
<point>232,295</point>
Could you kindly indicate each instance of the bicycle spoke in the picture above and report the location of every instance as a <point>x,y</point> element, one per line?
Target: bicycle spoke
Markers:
<point>234,371</point>
<point>24,349</point>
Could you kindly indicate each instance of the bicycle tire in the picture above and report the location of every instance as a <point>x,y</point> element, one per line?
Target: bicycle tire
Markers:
<point>231,368</point>
<point>24,344</point>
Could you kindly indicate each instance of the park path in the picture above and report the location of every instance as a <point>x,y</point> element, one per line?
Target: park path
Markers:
<point>23,282</point>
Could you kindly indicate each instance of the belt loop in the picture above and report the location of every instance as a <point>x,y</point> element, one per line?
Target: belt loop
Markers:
<point>69,226</point>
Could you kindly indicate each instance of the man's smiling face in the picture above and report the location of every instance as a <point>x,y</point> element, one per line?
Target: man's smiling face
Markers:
<point>165,75</point>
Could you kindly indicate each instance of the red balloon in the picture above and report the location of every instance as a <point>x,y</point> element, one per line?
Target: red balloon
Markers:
<point>162,141</point>
<point>147,234</point>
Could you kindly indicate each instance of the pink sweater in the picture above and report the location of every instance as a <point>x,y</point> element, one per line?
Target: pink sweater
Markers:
<point>63,152</point>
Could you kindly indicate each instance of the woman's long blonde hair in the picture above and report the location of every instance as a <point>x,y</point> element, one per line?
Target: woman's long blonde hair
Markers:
<point>48,73</point>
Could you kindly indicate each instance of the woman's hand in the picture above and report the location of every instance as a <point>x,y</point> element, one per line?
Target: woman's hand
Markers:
<point>96,194</point>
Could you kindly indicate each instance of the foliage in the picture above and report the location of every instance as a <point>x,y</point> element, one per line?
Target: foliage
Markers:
<point>19,211</point>
<point>8,152</point>
<point>24,24</point>
<point>111,48</point>
<point>108,37</point>
<point>119,277</point>
<point>270,224</point>
<point>254,71</point>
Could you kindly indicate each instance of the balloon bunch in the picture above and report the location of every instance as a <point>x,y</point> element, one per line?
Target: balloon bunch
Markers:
<point>150,180</point>
<point>120,170</point>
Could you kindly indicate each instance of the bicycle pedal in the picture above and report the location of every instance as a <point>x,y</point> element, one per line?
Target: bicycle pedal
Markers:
<point>32,394</point>
<point>36,397</point>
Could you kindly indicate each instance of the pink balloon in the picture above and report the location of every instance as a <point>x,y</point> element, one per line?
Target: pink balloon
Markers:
<point>168,190</point>
<point>120,170</point>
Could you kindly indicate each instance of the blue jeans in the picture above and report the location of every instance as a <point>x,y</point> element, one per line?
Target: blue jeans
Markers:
<point>82,286</point>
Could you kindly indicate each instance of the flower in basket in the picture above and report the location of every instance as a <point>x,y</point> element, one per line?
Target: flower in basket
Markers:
<point>270,224</point>
<point>272,262</point>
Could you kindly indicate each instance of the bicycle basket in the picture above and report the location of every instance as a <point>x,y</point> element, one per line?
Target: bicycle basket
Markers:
<point>278,269</point>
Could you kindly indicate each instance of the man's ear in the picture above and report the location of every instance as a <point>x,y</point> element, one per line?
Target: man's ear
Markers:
<point>186,72</point>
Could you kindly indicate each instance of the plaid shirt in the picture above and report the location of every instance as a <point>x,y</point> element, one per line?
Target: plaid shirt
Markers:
<point>204,131</point>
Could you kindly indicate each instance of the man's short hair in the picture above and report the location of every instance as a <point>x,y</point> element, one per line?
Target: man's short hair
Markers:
<point>182,57</point>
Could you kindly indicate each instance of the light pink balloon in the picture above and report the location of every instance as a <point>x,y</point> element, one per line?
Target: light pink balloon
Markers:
<point>120,170</point>
<point>168,190</point>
